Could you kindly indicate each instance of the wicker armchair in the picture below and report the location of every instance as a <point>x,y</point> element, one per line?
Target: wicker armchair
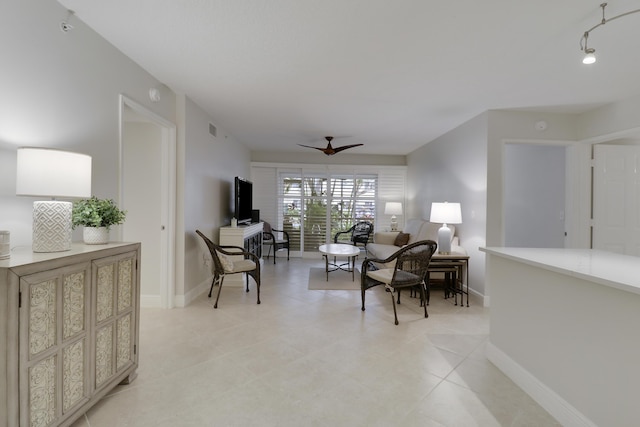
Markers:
<point>409,271</point>
<point>359,233</point>
<point>276,239</point>
<point>223,265</point>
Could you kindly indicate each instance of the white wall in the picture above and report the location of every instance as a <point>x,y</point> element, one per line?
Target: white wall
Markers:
<point>509,126</point>
<point>60,90</point>
<point>211,166</point>
<point>453,168</point>
<point>316,157</point>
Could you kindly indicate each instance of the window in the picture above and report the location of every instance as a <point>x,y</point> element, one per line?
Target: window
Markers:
<point>316,205</point>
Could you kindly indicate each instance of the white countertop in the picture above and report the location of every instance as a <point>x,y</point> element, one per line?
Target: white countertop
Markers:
<point>606,268</point>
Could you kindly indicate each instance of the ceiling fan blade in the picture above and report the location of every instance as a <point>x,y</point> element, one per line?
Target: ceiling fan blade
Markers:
<point>308,146</point>
<point>329,150</point>
<point>344,147</point>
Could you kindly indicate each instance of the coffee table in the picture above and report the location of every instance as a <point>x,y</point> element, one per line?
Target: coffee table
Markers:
<point>340,250</point>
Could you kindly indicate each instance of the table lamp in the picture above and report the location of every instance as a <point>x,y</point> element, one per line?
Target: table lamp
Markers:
<point>393,209</point>
<point>445,213</point>
<point>52,173</point>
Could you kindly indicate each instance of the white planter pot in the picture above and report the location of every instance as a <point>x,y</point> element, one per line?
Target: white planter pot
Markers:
<point>95,235</point>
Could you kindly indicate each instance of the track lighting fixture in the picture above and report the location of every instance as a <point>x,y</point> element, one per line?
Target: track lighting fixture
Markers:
<point>590,53</point>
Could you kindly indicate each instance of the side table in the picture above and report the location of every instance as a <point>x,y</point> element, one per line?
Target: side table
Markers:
<point>455,267</point>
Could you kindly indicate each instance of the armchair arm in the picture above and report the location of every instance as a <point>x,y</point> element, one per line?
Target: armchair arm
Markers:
<point>285,234</point>
<point>272,237</point>
<point>239,251</point>
<point>335,238</point>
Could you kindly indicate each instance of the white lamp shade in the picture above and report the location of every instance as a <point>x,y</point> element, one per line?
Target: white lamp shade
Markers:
<point>446,213</point>
<point>52,173</point>
<point>393,208</point>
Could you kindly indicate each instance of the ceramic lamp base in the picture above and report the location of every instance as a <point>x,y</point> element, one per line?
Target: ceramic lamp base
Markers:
<point>51,226</point>
<point>444,240</point>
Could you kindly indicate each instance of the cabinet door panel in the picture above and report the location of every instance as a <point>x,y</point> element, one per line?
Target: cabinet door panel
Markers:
<point>105,292</point>
<point>104,354</point>
<point>123,342</point>
<point>73,374</point>
<point>42,316</point>
<point>54,350</point>
<point>125,284</point>
<point>115,315</point>
<point>42,391</point>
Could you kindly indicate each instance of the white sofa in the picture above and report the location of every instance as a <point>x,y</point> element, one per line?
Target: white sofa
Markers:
<point>418,229</point>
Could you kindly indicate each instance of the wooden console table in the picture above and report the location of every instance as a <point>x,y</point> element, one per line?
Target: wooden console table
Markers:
<point>248,237</point>
<point>69,325</point>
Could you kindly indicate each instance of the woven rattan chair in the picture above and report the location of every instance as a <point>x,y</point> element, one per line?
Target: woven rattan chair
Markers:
<point>224,263</point>
<point>409,271</point>
<point>358,233</point>
<point>276,239</point>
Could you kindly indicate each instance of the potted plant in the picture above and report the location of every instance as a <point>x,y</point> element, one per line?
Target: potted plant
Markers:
<point>97,216</point>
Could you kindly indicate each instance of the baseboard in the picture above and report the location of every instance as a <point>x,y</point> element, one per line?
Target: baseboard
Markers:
<point>559,408</point>
<point>484,299</point>
<point>182,301</point>
<point>150,301</point>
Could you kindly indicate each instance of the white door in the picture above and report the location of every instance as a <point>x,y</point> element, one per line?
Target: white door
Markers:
<point>616,199</point>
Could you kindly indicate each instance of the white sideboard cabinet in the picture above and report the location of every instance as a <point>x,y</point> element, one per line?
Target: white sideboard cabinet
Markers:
<point>69,325</point>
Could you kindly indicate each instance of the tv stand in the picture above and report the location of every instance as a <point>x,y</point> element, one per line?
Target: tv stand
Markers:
<point>248,237</point>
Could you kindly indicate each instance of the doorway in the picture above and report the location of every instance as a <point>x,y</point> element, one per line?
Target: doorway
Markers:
<point>534,195</point>
<point>148,192</point>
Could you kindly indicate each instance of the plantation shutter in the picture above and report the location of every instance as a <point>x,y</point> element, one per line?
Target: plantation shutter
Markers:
<point>265,184</point>
<point>391,188</point>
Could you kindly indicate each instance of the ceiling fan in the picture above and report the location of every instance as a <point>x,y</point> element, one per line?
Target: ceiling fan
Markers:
<point>330,151</point>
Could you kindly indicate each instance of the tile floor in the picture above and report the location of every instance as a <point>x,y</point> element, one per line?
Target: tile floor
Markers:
<point>313,358</point>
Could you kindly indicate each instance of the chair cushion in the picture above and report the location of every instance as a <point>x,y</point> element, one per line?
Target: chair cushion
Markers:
<point>401,239</point>
<point>243,265</point>
<point>383,275</point>
<point>226,262</point>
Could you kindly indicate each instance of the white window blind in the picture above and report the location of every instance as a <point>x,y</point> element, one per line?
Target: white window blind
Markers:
<point>313,203</point>
<point>264,193</point>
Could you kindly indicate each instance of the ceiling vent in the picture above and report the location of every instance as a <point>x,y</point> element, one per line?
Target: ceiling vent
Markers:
<point>213,130</point>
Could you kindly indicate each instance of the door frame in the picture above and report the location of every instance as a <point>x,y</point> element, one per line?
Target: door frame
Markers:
<point>168,192</point>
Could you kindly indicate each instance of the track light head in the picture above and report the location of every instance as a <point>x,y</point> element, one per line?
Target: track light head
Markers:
<point>589,57</point>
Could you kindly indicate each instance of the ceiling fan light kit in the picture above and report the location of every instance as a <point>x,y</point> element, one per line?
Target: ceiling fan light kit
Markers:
<point>590,53</point>
<point>329,150</point>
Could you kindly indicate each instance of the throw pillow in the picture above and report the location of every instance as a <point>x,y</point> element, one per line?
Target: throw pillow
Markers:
<point>226,262</point>
<point>402,239</point>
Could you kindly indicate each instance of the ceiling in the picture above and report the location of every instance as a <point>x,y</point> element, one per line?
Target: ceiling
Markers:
<point>392,75</point>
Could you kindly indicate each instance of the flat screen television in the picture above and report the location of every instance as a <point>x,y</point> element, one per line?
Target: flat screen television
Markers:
<point>243,200</point>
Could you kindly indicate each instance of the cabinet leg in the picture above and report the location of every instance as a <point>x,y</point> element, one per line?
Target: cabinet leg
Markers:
<point>129,378</point>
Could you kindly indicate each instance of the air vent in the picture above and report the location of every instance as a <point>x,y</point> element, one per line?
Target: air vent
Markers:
<point>213,130</point>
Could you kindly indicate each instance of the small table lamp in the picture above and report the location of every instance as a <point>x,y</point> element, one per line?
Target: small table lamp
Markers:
<point>52,173</point>
<point>393,209</point>
<point>445,213</point>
